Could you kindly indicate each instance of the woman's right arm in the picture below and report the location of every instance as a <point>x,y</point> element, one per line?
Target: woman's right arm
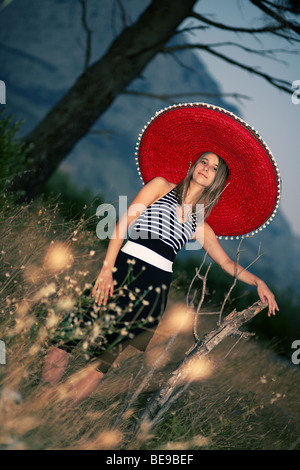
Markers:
<point>149,193</point>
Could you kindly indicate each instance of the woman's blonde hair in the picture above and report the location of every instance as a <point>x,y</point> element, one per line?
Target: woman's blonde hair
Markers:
<point>211,194</point>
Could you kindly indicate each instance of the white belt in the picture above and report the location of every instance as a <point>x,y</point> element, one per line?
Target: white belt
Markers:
<point>147,255</point>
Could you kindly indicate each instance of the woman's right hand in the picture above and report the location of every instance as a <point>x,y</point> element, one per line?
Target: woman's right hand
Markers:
<point>104,286</point>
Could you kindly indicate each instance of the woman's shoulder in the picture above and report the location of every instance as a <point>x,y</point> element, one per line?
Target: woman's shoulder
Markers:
<point>162,181</point>
<point>162,184</point>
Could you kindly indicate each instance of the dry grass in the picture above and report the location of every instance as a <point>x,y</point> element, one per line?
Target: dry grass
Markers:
<point>249,401</point>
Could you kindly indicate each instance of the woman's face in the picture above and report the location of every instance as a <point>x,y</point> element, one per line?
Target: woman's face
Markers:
<point>206,169</point>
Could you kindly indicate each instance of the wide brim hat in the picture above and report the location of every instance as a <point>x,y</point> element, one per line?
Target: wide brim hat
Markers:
<point>178,135</point>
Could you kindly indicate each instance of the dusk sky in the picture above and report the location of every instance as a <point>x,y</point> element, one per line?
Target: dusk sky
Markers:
<point>270,111</point>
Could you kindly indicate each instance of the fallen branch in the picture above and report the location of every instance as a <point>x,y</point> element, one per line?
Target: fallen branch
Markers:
<point>181,377</point>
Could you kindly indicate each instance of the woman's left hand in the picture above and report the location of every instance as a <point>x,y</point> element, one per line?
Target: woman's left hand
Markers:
<point>266,295</point>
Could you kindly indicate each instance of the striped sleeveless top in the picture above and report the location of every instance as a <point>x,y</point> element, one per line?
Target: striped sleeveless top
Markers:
<point>158,229</point>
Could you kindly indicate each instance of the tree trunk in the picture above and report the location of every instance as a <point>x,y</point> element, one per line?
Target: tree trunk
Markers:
<point>94,91</point>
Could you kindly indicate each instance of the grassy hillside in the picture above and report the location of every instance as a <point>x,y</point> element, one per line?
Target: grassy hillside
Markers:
<point>248,401</point>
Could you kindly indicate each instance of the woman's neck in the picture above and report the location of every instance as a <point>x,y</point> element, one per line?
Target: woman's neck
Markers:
<point>193,194</point>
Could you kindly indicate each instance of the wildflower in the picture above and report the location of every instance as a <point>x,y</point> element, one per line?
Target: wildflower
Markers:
<point>96,308</point>
<point>124,332</point>
<point>95,332</point>
<point>78,332</point>
<point>131,296</point>
<point>145,302</point>
<point>52,319</point>
<point>92,252</point>
<point>278,395</point>
<point>87,285</point>
<point>45,291</point>
<point>157,289</point>
<point>112,305</point>
<point>57,257</point>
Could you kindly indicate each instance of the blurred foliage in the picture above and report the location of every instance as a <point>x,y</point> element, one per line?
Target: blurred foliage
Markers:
<point>13,152</point>
<point>74,203</point>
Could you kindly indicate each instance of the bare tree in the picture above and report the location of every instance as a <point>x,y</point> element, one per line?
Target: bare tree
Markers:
<point>95,90</point>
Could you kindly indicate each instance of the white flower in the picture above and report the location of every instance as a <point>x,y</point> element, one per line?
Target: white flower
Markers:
<point>112,305</point>
<point>145,302</point>
<point>92,252</point>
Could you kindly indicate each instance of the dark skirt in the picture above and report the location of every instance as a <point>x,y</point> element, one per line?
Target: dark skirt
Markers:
<point>139,299</point>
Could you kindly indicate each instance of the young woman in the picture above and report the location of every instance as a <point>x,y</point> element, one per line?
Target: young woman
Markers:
<point>191,156</point>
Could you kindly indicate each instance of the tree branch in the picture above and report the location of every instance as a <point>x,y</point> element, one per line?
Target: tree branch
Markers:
<point>236,276</point>
<point>282,21</point>
<point>273,29</point>
<point>269,53</point>
<point>277,82</point>
<point>88,34</point>
<point>180,379</point>
<point>172,98</point>
<point>265,29</point>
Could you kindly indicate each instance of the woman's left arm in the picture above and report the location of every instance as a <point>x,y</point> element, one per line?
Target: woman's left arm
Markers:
<point>216,252</point>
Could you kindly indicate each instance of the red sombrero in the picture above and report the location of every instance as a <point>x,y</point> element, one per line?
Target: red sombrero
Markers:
<point>178,135</point>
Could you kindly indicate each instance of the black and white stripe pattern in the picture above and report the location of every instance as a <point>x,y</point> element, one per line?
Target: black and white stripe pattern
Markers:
<point>159,222</point>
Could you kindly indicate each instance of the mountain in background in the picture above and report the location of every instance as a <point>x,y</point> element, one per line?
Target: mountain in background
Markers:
<point>42,46</point>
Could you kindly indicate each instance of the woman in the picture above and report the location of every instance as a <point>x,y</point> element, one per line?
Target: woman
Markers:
<point>190,156</point>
